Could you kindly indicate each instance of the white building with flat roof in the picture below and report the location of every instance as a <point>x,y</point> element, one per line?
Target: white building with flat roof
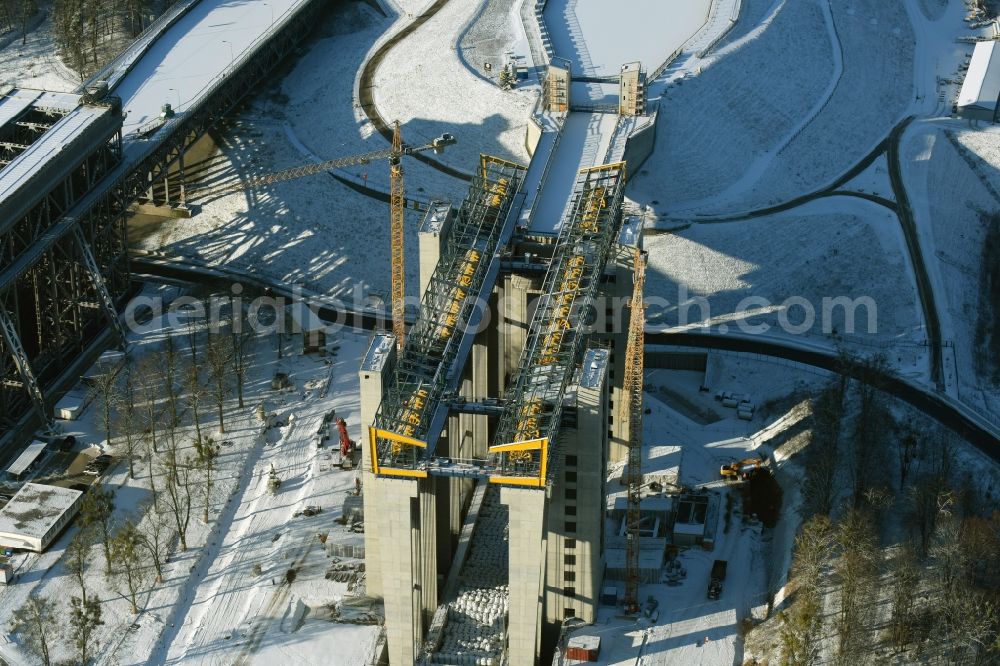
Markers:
<point>27,461</point>
<point>36,515</point>
<point>981,88</point>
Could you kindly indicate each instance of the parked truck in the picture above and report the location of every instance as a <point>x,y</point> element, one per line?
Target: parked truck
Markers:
<point>715,579</point>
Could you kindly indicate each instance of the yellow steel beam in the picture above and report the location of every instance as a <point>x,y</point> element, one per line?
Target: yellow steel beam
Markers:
<point>529,481</point>
<point>410,473</point>
<point>526,445</point>
<point>605,167</point>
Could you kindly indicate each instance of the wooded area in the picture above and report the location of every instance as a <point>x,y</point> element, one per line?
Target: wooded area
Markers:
<point>90,33</point>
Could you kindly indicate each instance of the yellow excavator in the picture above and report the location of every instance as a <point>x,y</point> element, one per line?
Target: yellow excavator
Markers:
<point>743,469</point>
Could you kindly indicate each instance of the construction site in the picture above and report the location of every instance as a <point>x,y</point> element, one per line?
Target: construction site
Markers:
<point>486,456</point>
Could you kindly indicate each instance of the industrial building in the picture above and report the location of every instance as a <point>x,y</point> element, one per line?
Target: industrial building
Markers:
<point>494,420</point>
<point>36,515</point>
<point>981,89</point>
<point>63,273</point>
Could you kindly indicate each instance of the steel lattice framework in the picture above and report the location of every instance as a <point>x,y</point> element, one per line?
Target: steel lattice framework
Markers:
<point>397,213</point>
<point>631,409</point>
<point>403,428</point>
<point>62,275</point>
<point>52,303</point>
<point>530,422</point>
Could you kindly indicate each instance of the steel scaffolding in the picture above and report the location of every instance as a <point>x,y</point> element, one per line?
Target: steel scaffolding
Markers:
<point>459,285</point>
<point>534,402</point>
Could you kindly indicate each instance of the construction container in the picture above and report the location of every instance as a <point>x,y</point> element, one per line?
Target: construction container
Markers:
<point>609,595</point>
<point>583,648</point>
<point>6,572</point>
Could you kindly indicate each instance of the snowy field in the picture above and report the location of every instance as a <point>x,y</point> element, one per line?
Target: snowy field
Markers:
<point>210,607</point>
<point>830,248</point>
<point>599,41</point>
<point>780,108</point>
<point>35,64</point>
<point>754,16</point>
<point>876,42</point>
<point>714,125</point>
<point>947,197</point>
<point>426,86</point>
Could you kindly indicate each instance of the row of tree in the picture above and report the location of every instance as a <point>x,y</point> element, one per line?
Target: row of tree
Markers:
<point>145,408</point>
<point>90,33</point>
<point>896,552</point>
<point>15,14</point>
<point>130,553</point>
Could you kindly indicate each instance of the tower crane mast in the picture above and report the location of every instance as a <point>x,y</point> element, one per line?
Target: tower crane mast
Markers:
<point>397,203</point>
<point>632,410</point>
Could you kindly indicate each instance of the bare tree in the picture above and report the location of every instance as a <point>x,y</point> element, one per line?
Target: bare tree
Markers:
<point>170,359</point>
<point>125,547</point>
<point>151,459</point>
<point>930,488</point>
<point>218,351</point>
<point>195,394</point>
<point>206,453</point>
<point>155,538</point>
<point>870,434</point>
<point>242,337</point>
<point>105,391</point>
<point>127,419</point>
<point>151,386</point>
<point>904,578</point>
<point>178,496</point>
<point>36,624</point>
<point>823,455</point>
<point>192,328</point>
<point>857,572</point>
<point>95,514</point>
<point>801,624</point>
<point>77,555</point>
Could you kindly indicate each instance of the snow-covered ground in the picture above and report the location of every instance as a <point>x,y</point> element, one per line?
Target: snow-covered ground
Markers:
<point>210,608</point>
<point>35,63</point>
<point>317,230</point>
<point>689,628</point>
<point>716,119</point>
<point>599,41</point>
<point>782,110</point>
<point>873,180</point>
<point>833,247</point>
<point>948,197</point>
<point>425,85</point>
<point>313,230</point>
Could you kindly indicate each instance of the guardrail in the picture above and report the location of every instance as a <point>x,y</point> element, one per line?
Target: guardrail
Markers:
<point>134,51</point>
<point>733,18</point>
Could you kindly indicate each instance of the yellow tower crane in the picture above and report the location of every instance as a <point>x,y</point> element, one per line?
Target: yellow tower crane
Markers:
<point>397,203</point>
<point>631,409</point>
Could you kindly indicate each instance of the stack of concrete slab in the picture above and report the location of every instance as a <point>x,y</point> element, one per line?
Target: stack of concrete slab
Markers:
<point>475,628</point>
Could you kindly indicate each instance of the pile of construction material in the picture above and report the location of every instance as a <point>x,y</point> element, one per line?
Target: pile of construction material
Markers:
<point>474,631</point>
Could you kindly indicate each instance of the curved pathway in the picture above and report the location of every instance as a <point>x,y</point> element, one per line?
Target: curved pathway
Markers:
<point>366,90</point>
<point>889,146</point>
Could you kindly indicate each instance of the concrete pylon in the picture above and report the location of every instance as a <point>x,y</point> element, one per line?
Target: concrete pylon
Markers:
<point>526,563</point>
<point>408,561</point>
